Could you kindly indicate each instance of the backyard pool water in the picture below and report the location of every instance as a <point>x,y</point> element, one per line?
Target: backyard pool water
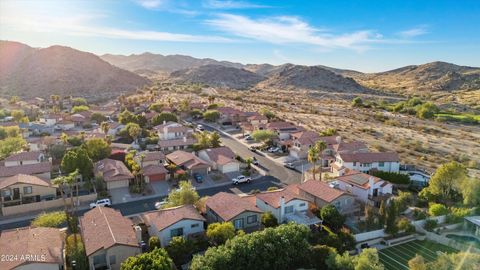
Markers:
<point>465,239</point>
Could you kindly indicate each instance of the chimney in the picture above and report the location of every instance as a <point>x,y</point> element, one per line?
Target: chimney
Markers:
<point>185,139</point>
<point>282,208</point>
<point>338,139</point>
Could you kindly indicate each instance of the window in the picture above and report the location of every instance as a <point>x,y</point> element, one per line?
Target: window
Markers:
<point>195,225</point>
<point>355,163</point>
<point>7,193</point>
<point>238,223</point>
<point>251,219</point>
<point>100,259</point>
<point>113,259</point>
<point>289,209</point>
<point>27,190</point>
<point>381,164</point>
<point>302,204</point>
<point>176,232</point>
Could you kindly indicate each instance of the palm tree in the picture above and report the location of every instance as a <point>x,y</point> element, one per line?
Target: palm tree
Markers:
<point>105,127</point>
<point>64,138</point>
<point>313,158</point>
<point>321,146</point>
<point>60,181</point>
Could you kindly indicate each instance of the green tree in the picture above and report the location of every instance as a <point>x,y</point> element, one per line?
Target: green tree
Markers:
<point>219,233</point>
<point>403,200</point>
<point>254,251</point>
<point>417,263</point>
<point>337,261</point>
<point>180,249</point>
<point>328,132</point>
<point>98,117</point>
<point>320,146</point>
<point>75,251</point>
<point>347,239</point>
<point>312,157</point>
<point>437,209</point>
<point>105,127</point>
<point>98,149</point>
<point>80,108</point>
<point>186,194</point>
<point>57,151</point>
<point>157,259</point>
<point>11,145</point>
<point>164,117</point>
<point>391,218</point>
<point>319,255</point>
<point>427,110</point>
<point>446,181</point>
<point>126,117</point>
<point>263,135</point>
<point>470,190</point>
<point>269,220</point>
<point>368,260</point>
<point>357,102</point>
<point>331,217</point>
<point>79,101</point>
<point>369,217</point>
<point>77,159</point>
<point>131,131</point>
<point>211,115</point>
<point>157,107</point>
<point>17,115</point>
<point>267,113</point>
<point>153,243</point>
<point>52,219</point>
<point>196,113</point>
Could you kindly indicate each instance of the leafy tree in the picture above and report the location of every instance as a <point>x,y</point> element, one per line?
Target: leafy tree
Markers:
<point>320,146</point>
<point>196,113</point>
<point>446,181</point>
<point>7,132</point>
<point>461,260</point>
<point>330,216</point>
<point>390,222</point>
<point>403,199</point>
<point>80,108</point>
<point>98,117</point>
<point>393,177</point>
<point>51,219</point>
<point>319,255</point>
<point>180,249</point>
<point>212,106</point>
<point>437,209</point>
<point>255,251</point>
<point>382,213</point>
<point>267,113</point>
<point>404,225</point>
<point>97,149</point>
<point>211,115</point>
<point>74,140</point>
<point>430,224</point>
<point>186,194</point>
<point>219,233</point>
<point>417,263</point>
<point>369,217</point>
<point>347,239</point>
<point>105,127</point>
<point>77,159</point>
<point>368,260</point>
<point>164,117</point>
<point>269,220</point>
<point>357,102</point>
<point>328,132</point>
<point>427,110</point>
<point>17,115</point>
<point>206,140</point>
<point>157,259</point>
<point>131,131</point>
<point>157,107</point>
<point>79,101</point>
<point>153,243</point>
<point>75,251</point>
<point>263,135</point>
<point>11,145</point>
<point>470,190</point>
<point>57,151</point>
<point>337,261</point>
<point>126,117</point>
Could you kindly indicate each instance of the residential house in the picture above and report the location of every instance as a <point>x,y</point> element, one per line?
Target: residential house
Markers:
<point>231,116</point>
<point>189,162</point>
<point>24,158</point>
<point>23,189</point>
<point>167,223</point>
<point>65,124</point>
<point>114,173</point>
<point>240,210</point>
<point>284,131</point>
<point>152,164</point>
<point>366,161</point>
<point>32,248</point>
<point>109,238</point>
<point>287,205</point>
<point>321,194</point>
<point>366,188</point>
<point>114,128</point>
<point>50,119</point>
<point>41,170</point>
<point>174,136</point>
<point>79,119</point>
<point>302,141</point>
<point>221,158</point>
<point>36,144</point>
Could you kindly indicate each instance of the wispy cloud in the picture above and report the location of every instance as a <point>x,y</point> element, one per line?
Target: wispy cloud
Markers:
<point>151,4</point>
<point>166,5</point>
<point>414,32</point>
<point>230,4</point>
<point>288,29</point>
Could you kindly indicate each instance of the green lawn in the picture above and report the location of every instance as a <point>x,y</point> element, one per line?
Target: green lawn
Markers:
<point>397,257</point>
<point>459,117</point>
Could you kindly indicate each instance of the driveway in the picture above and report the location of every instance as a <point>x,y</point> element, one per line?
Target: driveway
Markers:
<point>120,195</point>
<point>161,188</point>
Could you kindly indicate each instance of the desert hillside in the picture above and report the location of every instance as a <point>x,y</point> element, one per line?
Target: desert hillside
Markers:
<point>26,71</point>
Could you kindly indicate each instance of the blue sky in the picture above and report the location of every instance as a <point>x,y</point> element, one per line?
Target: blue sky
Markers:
<point>363,35</point>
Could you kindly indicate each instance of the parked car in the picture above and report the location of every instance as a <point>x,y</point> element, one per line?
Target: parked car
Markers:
<point>198,177</point>
<point>200,127</point>
<point>289,165</point>
<point>274,149</point>
<point>248,137</point>
<point>160,204</point>
<point>253,148</point>
<point>102,202</point>
<point>254,161</point>
<point>241,179</point>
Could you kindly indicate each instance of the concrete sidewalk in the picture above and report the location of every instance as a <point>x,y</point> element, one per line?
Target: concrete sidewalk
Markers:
<point>33,215</point>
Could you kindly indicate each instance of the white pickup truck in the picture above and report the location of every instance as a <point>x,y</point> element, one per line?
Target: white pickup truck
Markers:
<point>102,202</point>
<point>241,179</point>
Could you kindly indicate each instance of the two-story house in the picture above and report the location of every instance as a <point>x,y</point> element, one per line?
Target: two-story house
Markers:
<point>366,188</point>
<point>230,116</point>
<point>23,189</point>
<point>167,223</point>
<point>240,210</point>
<point>153,165</point>
<point>30,166</point>
<point>221,159</point>
<point>174,136</point>
<point>50,119</point>
<point>366,161</point>
<point>109,238</point>
<point>24,158</point>
<point>287,205</point>
<point>302,141</point>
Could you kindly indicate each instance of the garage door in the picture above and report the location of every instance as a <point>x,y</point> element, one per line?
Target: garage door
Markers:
<point>156,177</point>
<point>117,184</point>
<point>230,167</point>
<point>200,170</point>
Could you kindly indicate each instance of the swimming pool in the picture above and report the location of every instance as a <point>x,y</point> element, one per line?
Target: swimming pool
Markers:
<point>469,240</point>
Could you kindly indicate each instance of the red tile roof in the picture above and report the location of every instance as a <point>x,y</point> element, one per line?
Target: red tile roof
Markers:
<point>177,142</point>
<point>228,205</point>
<point>38,168</point>
<point>153,155</point>
<point>306,137</point>
<point>354,146</point>
<point>23,179</point>
<point>272,198</point>
<point>41,241</point>
<point>105,227</point>
<point>186,159</point>
<point>370,157</point>
<point>321,190</point>
<point>22,156</point>
<point>154,169</point>
<point>112,170</point>
<point>164,218</point>
<point>220,155</point>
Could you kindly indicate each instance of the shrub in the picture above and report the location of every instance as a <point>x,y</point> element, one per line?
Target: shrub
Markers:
<point>430,224</point>
<point>153,243</point>
<point>76,253</point>
<point>457,214</point>
<point>52,219</point>
<point>395,178</point>
<point>269,220</point>
<point>419,214</point>
<point>437,209</point>
<point>404,225</point>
